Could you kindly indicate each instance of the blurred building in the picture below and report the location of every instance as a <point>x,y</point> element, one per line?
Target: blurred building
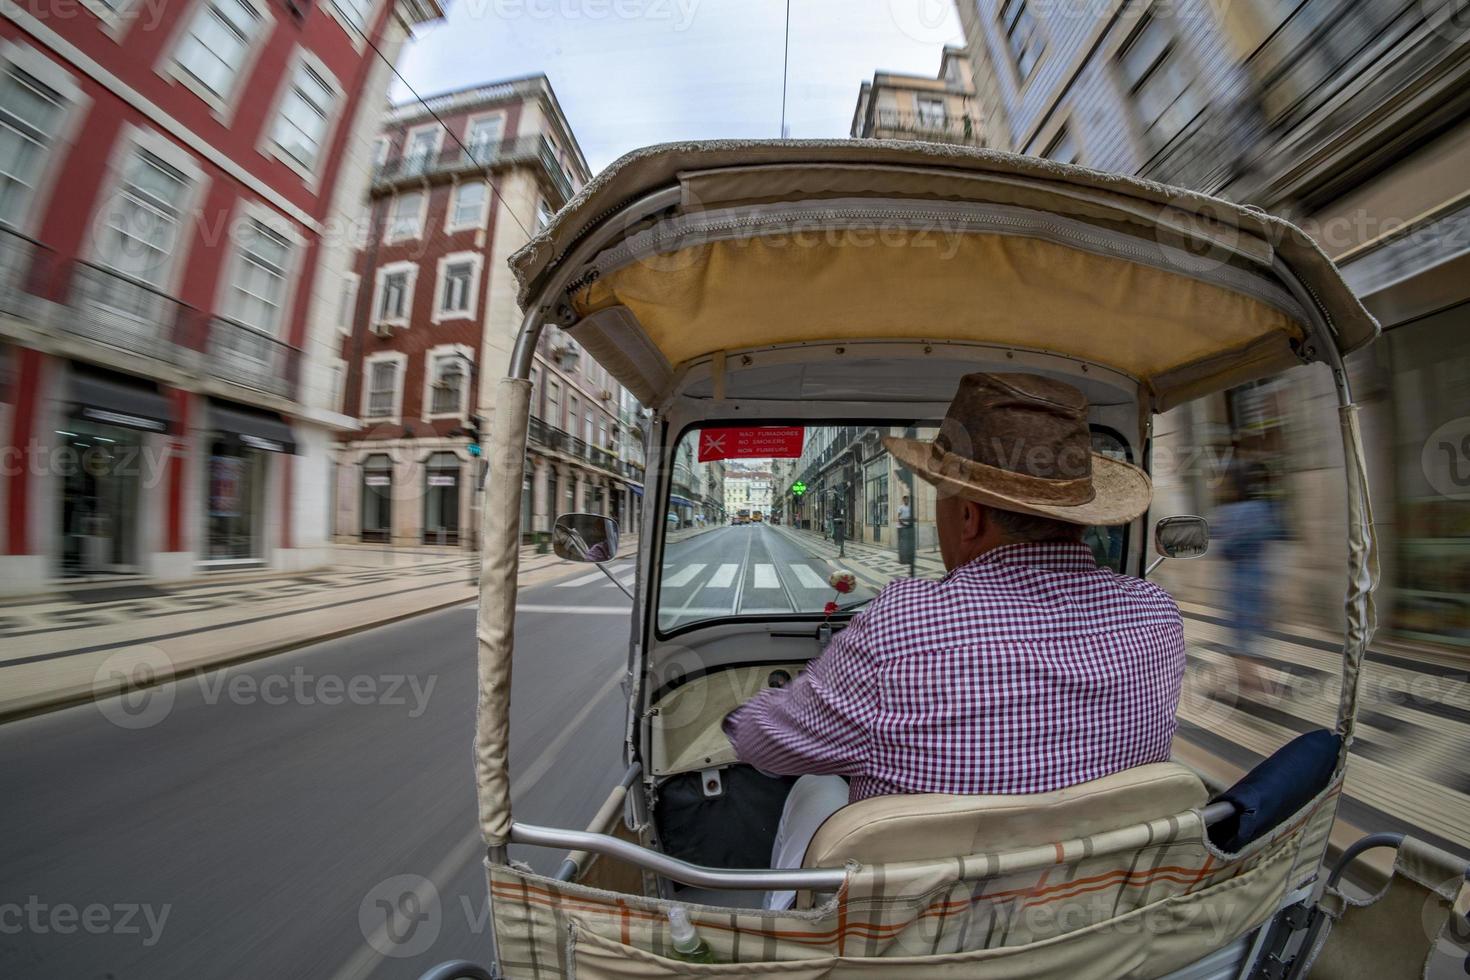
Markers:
<point>940,108</point>
<point>430,315</point>
<point>1352,119</point>
<point>173,184</point>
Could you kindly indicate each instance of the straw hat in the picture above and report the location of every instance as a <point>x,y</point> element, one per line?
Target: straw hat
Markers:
<point>1020,442</point>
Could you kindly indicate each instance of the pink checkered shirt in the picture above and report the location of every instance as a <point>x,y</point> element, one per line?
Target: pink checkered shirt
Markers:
<point>1023,671</point>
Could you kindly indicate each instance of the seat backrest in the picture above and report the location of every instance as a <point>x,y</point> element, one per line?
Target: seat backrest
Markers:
<point>926,826</point>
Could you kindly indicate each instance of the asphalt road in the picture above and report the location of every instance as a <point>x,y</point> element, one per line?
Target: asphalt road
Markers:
<point>747,569</point>
<point>248,822</point>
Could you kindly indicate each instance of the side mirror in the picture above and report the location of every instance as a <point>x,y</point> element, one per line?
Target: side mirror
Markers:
<point>1180,537</point>
<point>585,537</point>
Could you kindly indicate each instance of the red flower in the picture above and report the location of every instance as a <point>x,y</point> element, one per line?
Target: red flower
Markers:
<point>830,608</point>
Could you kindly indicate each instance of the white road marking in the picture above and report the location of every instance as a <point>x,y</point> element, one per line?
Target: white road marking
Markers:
<point>580,580</point>
<point>808,576</point>
<point>723,578</point>
<point>684,577</point>
<point>765,577</point>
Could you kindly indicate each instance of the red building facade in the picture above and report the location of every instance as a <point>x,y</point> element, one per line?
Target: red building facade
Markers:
<point>431,315</point>
<point>175,178</point>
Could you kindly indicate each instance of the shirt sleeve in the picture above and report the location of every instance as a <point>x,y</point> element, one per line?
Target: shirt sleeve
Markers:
<point>820,723</point>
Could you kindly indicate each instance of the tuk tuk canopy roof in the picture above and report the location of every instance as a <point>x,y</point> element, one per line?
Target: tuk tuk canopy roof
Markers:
<point>775,243</point>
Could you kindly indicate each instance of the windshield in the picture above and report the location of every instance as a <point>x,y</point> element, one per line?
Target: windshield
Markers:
<point>760,519</point>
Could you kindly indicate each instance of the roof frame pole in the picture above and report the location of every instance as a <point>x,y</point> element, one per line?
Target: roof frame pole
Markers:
<point>1362,577</point>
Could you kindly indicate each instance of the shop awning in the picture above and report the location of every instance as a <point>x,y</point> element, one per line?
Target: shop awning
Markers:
<point>132,405</point>
<point>254,428</point>
<point>674,498</point>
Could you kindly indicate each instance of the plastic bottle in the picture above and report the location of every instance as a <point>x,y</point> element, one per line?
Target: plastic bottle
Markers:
<point>688,946</point>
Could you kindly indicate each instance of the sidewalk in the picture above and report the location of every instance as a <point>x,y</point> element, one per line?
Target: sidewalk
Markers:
<point>80,644</point>
<point>872,564</point>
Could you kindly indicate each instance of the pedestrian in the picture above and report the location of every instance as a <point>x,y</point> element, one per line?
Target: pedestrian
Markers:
<point>906,534</point>
<point>1243,528</point>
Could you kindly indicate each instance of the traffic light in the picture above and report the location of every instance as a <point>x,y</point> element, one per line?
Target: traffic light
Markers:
<point>472,431</point>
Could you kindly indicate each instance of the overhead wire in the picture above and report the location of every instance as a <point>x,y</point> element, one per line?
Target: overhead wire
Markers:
<point>443,125</point>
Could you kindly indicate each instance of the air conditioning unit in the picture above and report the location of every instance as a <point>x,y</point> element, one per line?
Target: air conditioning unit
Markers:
<point>383,329</point>
<point>605,394</point>
<point>566,355</point>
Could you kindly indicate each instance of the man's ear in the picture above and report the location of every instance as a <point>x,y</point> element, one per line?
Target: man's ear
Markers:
<point>975,520</point>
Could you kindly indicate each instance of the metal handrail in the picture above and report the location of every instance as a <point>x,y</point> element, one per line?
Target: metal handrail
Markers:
<point>478,157</point>
<point>754,879</point>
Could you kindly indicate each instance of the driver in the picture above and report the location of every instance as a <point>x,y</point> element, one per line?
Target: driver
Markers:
<point>1025,669</point>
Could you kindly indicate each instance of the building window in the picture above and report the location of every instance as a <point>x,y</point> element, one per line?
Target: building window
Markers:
<point>574,414</point>
<point>441,499</point>
<point>544,214</point>
<point>219,37</point>
<point>421,144</point>
<point>141,225</point>
<point>377,498</point>
<point>394,303</point>
<point>484,134</point>
<point>1062,149</point>
<point>587,430</point>
<point>455,297</point>
<point>553,402</point>
<point>446,394</point>
<point>383,378</point>
<point>30,113</point>
<point>403,216</point>
<point>347,312</point>
<point>468,205</point>
<point>1159,81</point>
<point>258,290</point>
<point>355,12</point>
<point>1021,35</point>
<point>305,110</point>
<point>931,111</point>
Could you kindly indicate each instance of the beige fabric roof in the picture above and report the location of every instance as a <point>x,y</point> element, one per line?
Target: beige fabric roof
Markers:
<point>1179,290</point>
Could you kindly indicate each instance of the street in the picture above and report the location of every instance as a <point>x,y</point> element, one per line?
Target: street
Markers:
<point>748,569</point>
<point>239,834</point>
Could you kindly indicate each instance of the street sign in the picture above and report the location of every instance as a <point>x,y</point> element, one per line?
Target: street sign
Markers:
<point>798,488</point>
<point>756,442</point>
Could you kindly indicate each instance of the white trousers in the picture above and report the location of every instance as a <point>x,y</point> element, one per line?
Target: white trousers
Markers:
<point>812,800</point>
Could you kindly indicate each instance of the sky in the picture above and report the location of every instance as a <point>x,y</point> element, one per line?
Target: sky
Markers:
<point>633,72</point>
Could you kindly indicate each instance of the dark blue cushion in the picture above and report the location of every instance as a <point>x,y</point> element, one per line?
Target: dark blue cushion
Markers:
<point>1277,788</point>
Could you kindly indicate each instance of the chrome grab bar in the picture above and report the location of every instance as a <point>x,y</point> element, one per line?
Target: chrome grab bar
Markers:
<point>764,879</point>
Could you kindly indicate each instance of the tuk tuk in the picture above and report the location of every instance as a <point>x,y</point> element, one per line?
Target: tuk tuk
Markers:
<point>754,286</point>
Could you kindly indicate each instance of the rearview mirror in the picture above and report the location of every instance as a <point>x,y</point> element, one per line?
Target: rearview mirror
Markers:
<point>1182,537</point>
<point>585,537</point>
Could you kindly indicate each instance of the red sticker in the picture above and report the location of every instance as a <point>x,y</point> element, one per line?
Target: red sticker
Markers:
<point>762,442</point>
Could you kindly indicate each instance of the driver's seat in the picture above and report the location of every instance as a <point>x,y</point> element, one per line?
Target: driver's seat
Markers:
<point>930,826</point>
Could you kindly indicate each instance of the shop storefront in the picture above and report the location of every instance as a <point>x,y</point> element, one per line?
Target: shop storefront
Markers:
<point>241,443</point>
<point>377,498</point>
<point>441,499</point>
<point>102,460</point>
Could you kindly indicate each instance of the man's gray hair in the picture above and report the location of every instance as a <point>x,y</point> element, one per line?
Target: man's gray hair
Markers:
<point>1030,529</point>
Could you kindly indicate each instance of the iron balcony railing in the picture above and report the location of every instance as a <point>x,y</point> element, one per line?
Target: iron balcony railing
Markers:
<point>112,308</point>
<point>546,436</point>
<point>251,358</point>
<point>23,263</point>
<point>938,128</point>
<point>477,157</point>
